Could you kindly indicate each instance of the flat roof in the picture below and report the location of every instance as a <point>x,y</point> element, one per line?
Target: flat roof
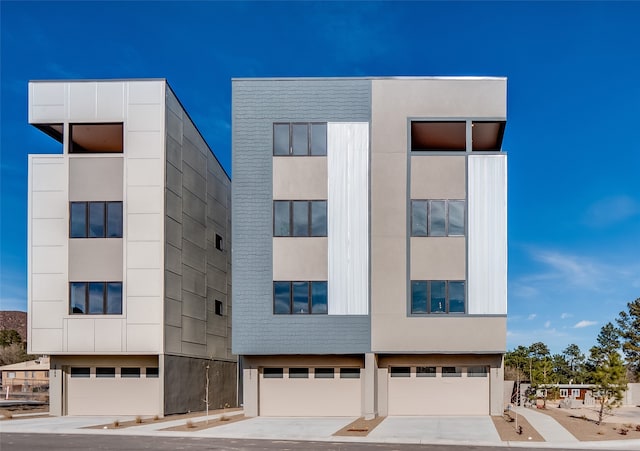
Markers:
<point>373,78</point>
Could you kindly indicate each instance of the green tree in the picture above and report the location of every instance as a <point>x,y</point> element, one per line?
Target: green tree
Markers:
<point>13,353</point>
<point>629,324</point>
<point>516,363</point>
<point>561,369</point>
<point>575,359</point>
<point>607,370</point>
<point>9,337</point>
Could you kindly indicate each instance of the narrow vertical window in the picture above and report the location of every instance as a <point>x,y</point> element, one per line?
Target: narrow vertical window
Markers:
<point>319,298</point>
<point>281,218</point>
<point>114,298</point>
<point>281,139</point>
<point>438,296</point>
<point>299,139</point>
<point>456,297</point>
<point>218,307</point>
<point>114,220</point>
<point>319,218</point>
<point>300,218</point>
<point>318,139</point>
<point>419,217</point>
<point>281,298</point>
<point>300,297</point>
<point>219,245</point>
<point>78,295</point>
<point>419,296</point>
<point>96,298</point>
<point>437,218</point>
<point>96,219</point>
<point>78,220</point>
<point>456,218</point>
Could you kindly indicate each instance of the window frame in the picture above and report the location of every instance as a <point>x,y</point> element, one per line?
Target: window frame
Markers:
<point>130,372</point>
<point>106,233</point>
<point>273,373</point>
<point>428,291</point>
<point>218,307</point>
<point>428,206</point>
<point>310,304</point>
<point>310,152</point>
<point>291,222</point>
<point>105,297</point>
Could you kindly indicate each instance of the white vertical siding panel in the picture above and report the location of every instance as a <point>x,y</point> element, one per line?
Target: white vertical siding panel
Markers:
<point>487,283</point>
<point>348,218</point>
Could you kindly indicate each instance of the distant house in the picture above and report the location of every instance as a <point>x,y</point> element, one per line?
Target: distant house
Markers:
<point>566,391</point>
<point>32,375</point>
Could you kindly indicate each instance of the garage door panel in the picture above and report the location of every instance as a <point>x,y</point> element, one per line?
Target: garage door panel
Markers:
<point>438,395</point>
<point>309,396</point>
<point>109,396</point>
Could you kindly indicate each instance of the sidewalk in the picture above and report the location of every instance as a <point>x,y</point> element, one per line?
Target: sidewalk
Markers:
<point>472,431</point>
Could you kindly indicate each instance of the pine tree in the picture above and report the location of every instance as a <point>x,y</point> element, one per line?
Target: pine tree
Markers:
<point>629,323</point>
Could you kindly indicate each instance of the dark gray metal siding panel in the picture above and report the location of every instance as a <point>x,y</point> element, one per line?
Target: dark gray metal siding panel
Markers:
<point>256,105</point>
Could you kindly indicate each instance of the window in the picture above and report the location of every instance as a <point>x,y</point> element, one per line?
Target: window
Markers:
<point>349,373</point>
<point>298,373</point>
<point>219,242</point>
<point>426,371</point>
<point>11,375</point>
<point>437,296</point>
<point>477,371</point>
<point>152,372</point>
<point>324,373</point>
<point>300,218</point>
<point>299,297</point>
<point>451,371</point>
<point>218,307</point>
<point>437,218</point>
<point>400,371</point>
<point>130,372</point>
<point>300,139</point>
<point>95,138</point>
<point>95,298</point>
<point>575,393</point>
<point>564,392</point>
<point>105,372</point>
<point>95,220</point>
<point>487,135</point>
<point>273,373</point>
<point>438,136</point>
<point>80,372</point>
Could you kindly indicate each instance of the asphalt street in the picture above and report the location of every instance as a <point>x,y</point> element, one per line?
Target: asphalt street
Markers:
<point>68,442</point>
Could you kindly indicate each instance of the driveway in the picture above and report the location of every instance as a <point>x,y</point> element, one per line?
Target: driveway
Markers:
<point>476,430</point>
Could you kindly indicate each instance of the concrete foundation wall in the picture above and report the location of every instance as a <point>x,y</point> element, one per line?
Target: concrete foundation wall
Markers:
<point>185,384</point>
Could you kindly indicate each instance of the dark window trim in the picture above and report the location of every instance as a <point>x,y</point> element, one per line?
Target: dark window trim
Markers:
<point>105,296</point>
<point>309,152</point>
<point>309,296</point>
<point>446,217</point>
<point>428,294</point>
<point>105,219</point>
<point>290,203</point>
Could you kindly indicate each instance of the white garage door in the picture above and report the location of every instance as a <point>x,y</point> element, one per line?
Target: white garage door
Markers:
<point>431,390</point>
<point>310,392</point>
<point>112,391</point>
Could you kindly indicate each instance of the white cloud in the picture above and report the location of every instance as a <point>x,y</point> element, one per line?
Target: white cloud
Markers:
<point>611,210</point>
<point>532,316</point>
<point>547,324</point>
<point>584,323</point>
<point>565,315</point>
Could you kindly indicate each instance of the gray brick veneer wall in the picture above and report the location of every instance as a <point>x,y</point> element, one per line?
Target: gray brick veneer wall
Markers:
<point>257,104</point>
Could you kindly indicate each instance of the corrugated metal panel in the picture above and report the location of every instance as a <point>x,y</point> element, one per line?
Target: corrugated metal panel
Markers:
<point>348,219</point>
<point>487,290</point>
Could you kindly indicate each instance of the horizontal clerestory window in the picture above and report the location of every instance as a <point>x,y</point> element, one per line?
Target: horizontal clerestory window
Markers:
<point>300,218</point>
<point>96,138</point>
<point>437,218</point>
<point>95,220</point>
<point>95,298</point>
<point>299,297</point>
<point>437,297</point>
<point>300,139</point>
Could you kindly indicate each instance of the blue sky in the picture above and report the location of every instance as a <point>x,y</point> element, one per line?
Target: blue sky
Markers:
<point>573,112</point>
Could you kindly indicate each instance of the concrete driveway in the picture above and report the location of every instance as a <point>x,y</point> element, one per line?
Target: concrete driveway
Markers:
<point>477,430</point>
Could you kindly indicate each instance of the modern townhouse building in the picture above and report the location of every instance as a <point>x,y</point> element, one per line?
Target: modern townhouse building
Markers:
<point>370,246</point>
<point>129,252</point>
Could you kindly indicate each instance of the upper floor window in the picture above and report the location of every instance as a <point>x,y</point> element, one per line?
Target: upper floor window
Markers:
<point>299,297</point>
<point>95,298</point>
<point>437,218</point>
<point>95,138</point>
<point>438,135</point>
<point>487,135</point>
<point>437,296</point>
<point>300,138</point>
<point>300,218</point>
<point>95,220</point>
